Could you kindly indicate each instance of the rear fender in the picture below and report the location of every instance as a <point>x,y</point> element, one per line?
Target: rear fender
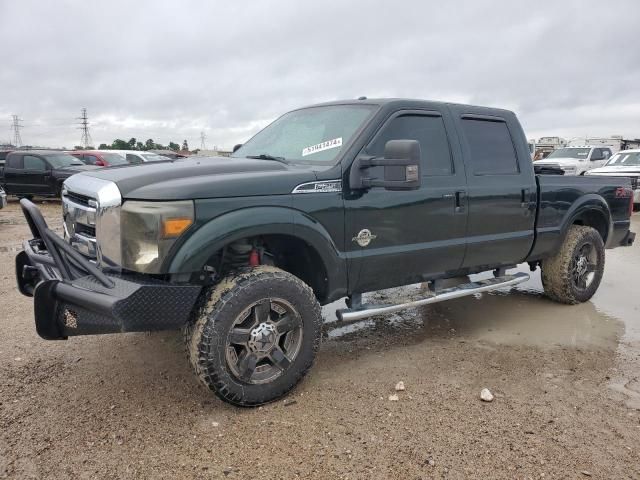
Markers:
<point>585,204</point>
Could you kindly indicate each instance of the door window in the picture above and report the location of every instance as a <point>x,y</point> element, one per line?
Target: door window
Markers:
<point>131,158</point>
<point>90,159</point>
<point>14,161</point>
<point>34,163</point>
<point>599,154</point>
<point>491,148</point>
<point>429,131</point>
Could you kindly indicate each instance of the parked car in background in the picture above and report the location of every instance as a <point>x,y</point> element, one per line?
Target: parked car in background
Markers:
<point>137,156</point>
<point>38,172</point>
<point>625,163</point>
<point>99,158</point>
<point>577,160</point>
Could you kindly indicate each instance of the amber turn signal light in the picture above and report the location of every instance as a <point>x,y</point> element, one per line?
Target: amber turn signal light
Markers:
<point>172,227</point>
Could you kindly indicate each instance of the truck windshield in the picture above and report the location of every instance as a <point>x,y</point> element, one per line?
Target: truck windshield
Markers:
<point>313,135</point>
<point>61,160</point>
<point>624,159</point>
<point>580,153</point>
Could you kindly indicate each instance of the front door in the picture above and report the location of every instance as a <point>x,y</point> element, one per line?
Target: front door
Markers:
<point>397,237</point>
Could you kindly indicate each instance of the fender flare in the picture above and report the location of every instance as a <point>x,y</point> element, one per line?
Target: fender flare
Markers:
<point>586,203</point>
<point>192,254</point>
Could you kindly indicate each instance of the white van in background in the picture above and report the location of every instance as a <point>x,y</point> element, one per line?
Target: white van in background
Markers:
<point>577,160</point>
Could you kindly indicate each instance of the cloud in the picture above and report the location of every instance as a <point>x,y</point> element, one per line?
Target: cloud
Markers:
<point>167,70</point>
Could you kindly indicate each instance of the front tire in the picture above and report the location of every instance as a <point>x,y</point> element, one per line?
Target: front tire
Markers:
<point>574,273</point>
<point>255,336</point>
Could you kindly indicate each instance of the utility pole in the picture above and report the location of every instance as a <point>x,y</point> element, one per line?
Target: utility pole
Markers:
<point>84,127</point>
<point>16,126</point>
<point>202,139</point>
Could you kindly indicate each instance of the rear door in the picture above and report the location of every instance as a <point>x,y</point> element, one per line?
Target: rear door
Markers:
<point>501,187</point>
<point>398,237</point>
<point>35,175</point>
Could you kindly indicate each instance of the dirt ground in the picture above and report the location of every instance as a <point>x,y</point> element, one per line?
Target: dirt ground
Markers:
<point>565,380</point>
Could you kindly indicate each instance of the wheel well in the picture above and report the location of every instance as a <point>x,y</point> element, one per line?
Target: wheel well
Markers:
<point>595,219</point>
<point>286,252</point>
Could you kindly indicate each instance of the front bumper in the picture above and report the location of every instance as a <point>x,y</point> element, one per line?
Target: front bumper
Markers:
<point>73,297</point>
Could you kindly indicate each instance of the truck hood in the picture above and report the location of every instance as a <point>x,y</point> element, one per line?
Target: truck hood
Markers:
<point>617,170</point>
<point>205,177</point>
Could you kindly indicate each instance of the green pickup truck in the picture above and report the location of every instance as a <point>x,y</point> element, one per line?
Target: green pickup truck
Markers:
<point>328,201</point>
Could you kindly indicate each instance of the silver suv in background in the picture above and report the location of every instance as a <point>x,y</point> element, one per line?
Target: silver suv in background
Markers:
<point>577,160</point>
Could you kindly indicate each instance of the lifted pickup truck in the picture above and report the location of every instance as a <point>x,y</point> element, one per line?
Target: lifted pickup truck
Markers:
<point>328,201</point>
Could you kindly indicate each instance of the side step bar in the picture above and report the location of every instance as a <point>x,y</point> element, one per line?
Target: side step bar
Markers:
<point>365,311</point>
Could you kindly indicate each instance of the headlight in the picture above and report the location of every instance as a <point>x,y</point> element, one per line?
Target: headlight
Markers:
<point>149,229</point>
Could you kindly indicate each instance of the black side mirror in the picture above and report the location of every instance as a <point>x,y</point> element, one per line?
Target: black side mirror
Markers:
<point>236,147</point>
<point>401,164</point>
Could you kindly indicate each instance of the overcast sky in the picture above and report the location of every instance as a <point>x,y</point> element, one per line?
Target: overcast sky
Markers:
<point>167,70</point>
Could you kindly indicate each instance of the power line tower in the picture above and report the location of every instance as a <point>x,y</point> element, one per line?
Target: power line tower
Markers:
<point>84,127</point>
<point>16,126</point>
<point>203,137</point>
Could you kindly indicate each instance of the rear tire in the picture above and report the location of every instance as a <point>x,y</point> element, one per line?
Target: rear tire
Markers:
<point>574,273</point>
<point>255,336</point>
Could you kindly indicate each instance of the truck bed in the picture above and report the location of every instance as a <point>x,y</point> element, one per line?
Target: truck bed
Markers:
<point>557,200</point>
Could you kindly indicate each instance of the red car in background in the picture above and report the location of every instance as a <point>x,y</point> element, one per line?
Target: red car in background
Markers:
<point>99,158</point>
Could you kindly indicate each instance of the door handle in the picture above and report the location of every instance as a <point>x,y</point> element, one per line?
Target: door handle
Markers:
<point>461,201</point>
<point>448,195</point>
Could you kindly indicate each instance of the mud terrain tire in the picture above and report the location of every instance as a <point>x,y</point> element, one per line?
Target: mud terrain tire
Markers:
<point>581,256</point>
<point>231,358</point>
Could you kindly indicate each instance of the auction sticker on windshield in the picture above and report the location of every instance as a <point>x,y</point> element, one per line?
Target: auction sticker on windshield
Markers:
<point>321,147</point>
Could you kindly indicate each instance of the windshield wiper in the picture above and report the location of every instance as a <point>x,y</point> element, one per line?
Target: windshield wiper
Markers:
<point>266,156</point>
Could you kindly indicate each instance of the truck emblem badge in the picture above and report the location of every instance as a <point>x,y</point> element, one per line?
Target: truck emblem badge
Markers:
<point>364,237</point>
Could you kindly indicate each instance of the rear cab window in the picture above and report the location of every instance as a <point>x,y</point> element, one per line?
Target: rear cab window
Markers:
<point>490,145</point>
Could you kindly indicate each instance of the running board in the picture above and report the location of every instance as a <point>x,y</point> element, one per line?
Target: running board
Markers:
<point>365,311</point>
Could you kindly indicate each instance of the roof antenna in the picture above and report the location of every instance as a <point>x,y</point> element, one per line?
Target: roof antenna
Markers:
<point>362,98</point>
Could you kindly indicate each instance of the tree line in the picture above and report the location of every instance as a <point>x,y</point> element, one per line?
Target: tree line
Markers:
<point>133,144</point>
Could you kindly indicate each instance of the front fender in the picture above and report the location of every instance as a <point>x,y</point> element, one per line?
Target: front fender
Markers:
<point>195,251</point>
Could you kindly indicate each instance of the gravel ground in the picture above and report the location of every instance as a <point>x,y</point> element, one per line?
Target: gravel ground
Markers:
<point>127,406</point>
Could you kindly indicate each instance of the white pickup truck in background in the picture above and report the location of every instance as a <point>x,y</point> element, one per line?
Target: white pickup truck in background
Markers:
<point>625,163</point>
<point>577,160</point>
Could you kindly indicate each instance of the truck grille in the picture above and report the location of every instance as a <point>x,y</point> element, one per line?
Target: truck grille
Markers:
<point>635,183</point>
<point>79,214</point>
<point>78,199</point>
